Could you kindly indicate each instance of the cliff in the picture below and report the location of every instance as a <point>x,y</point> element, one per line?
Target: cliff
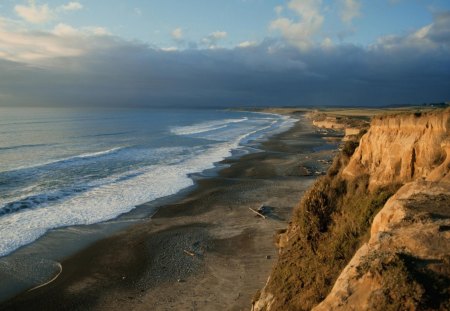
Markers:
<point>406,263</point>
<point>374,233</point>
<point>350,126</point>
<point>402,148</point>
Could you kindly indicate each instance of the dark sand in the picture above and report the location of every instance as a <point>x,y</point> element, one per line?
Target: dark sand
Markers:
<point>146,267</point>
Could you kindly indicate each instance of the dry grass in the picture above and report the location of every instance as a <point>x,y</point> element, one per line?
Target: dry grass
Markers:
<point>328,226</point>
<point>407,283</point>
<point>331,222</point>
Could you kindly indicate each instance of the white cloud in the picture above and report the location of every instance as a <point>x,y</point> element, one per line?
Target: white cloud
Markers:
<point>97,31</point>
<point>138,11</point>
<point>31,48</point>
<point>247,44</point>
<point>327,43</point>
<point>35,48</point>
<point>351,9</point>
<point>36,14</point>
<point>217,35</point>
<point>72,6</point>
<point>177,34</point>
<point>170,49</point>
<point>278,9</point>
<point>430,37</point>
<point>300,32</point>
<point>65,30</point>
<point>40,14</point>
<point>422,32</point>
<point>213,38</point>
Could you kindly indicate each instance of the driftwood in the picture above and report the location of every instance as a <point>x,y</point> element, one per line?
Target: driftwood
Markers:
<point>189,253</point>
<point>256,212</point>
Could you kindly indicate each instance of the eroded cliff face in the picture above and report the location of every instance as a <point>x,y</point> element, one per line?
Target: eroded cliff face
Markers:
<point>406,262</point>
<point>402,148</point>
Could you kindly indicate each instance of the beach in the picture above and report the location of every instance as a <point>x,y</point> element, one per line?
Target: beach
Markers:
<point>204,251</point>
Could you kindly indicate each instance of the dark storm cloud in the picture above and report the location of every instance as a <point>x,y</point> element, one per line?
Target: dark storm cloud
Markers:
<point>396,70</point>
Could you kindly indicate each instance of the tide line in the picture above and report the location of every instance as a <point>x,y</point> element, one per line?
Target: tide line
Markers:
<point>46,283</point>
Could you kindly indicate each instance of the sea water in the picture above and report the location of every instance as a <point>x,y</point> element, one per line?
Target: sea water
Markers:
<point>63,167</point>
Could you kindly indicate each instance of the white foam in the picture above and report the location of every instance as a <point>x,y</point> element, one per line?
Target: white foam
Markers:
<point>288,122</point>
<point>117,196</point>
<point>107,201</point>
<point>67,159</point>
<point>35,198</point>
<point>93,154</point>
<point>205,126</point>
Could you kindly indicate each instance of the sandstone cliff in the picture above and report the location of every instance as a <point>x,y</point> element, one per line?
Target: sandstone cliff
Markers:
<point>402,148</point>
<point>406,263</point>
<point>329,261</point>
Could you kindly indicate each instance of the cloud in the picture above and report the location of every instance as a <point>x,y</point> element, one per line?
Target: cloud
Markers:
<point>138,11</point>
<point>278,9</point>
<point>213,38</point>
<point>439,31</point>
<point>435,36</point>
<point>217,35</point>
<point>300,32</point>
<point>73,67</point>
<point>97,31</point>
<point>41,14</point>
<point>247,44</point>
<point>63,30</point>
<point>177,34</point>
<point>32,13</point>
<point>40,48</point>
<point>72,6</point>
<point>170,49</point>
<point>351,9</point>
<point>327,43</point>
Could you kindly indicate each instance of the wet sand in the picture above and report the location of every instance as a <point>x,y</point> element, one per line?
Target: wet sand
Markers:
<point>207,251</point>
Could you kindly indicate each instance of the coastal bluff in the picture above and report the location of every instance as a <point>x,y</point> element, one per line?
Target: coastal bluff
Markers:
<point>402,148</point>
<point>374,233</point>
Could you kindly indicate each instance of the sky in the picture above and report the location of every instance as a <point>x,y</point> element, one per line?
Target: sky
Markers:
<point>211,53</point>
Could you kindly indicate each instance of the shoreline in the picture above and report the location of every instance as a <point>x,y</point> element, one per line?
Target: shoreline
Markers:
<point>146,264</point>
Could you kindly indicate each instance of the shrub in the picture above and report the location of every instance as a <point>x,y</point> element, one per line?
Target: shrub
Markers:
<point>349,147</point>
<point>332,220</point>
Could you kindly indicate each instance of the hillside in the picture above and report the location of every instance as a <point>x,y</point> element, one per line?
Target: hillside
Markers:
<point>374,232</point>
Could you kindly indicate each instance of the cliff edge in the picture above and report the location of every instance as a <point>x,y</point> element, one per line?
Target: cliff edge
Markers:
<point>374,233</point>
<point>401,148</point>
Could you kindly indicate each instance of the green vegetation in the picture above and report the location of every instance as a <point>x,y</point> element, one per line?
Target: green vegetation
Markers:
<point>329,225</point>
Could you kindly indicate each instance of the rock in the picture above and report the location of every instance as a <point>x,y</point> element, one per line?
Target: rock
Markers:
<point>351,131</point>
<point>398,237</point>
<point>329,123</point>
<point>403,148</point>
<point>410,234</point>
<point>407,149</point>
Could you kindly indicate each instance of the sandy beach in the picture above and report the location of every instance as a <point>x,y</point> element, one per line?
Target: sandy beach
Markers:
<point>207,251</point>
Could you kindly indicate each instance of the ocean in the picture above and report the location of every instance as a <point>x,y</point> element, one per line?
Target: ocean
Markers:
<point>63,167</point>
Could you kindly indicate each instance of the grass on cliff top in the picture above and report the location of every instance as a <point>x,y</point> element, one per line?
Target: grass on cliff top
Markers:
<point>407,282</point>
<point>329,225</point>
